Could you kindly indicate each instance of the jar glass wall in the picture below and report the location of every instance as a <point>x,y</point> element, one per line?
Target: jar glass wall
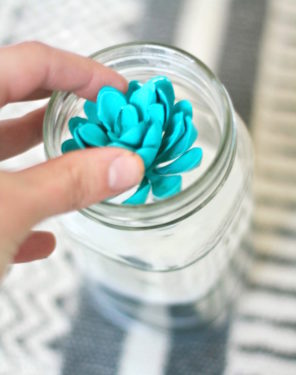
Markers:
<point>181,255</point>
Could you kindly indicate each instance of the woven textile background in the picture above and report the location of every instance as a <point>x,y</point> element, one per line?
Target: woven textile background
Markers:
<point>49,324</point>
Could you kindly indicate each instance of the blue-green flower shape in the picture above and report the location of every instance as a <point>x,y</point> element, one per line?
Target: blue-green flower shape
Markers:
<point>145,120</point>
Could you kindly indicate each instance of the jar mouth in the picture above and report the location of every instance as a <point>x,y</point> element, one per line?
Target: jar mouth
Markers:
<point>191,198</point>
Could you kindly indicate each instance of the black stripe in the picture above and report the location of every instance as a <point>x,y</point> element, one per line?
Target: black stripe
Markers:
<point>286,205</point>
<point>240,52</point>
<point>279,175</point>
<point>283,80</point>
<point>94,344</point>
<point>279,126</point>
<point>260,349</point>
<point>200,351</point>
<point>278,104</point>
<point>279,323</point>
<point>277,230</point>
<point>272,289</point>
<point>203,351</point>
<point>284,150</point>
<point>159,22</point>
<point>276,259</point>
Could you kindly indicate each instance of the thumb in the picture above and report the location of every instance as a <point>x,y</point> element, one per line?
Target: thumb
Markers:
<point>78,179</point>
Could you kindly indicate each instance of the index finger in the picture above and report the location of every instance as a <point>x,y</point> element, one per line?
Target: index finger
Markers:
<point>29,67</point>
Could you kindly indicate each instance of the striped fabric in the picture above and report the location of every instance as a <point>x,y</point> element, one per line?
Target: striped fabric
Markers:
<point>49,321</point>
<point>263,335</point>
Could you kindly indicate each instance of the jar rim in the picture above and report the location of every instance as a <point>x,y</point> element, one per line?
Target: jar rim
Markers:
<point>201,191</point>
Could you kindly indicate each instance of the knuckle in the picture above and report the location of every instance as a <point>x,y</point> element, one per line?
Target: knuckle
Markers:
<point>33,45</point>
<point>76,186</point>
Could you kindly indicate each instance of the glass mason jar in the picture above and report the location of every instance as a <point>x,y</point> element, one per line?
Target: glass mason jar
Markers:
<point>176,262</point>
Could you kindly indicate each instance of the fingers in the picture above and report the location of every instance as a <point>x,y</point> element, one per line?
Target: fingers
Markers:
<point>76,180</point>
<point>38,245</point>
<point>18,135</point>
<point>73,181</point>
<point>38,94</point>
<point>31,66</point>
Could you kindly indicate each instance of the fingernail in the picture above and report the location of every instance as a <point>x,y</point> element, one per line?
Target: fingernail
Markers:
<point>125,171</point>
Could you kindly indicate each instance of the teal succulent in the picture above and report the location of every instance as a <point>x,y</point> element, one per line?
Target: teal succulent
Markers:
<point>145,120</point>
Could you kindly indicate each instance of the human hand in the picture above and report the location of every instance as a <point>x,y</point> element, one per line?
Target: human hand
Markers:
<point>30,71</point>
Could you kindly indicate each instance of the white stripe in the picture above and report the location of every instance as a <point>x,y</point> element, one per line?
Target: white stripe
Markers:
<point>202,27</point>
<point>144,352</point>
<point>7,17</point>
<point>275,119</point>
<point>271,244</point>
<point>274,275</point>
<point>274,98</point>
<point>280,161</point>
<point>280,31</point>
<point>265,335</point>
<point>284,56</point>
<point>274,124</point>
<point>279,77</point>
<point>275,189</point>
<point>239,363</point>
<point>269,305</point>
<point>273,216</point>
<point>285,7</point>
<point>282,165</point>
<point>269,140</point>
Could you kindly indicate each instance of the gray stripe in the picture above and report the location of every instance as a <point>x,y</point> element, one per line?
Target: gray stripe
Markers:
<point>203,351</point>
<point>240,53</point>
<point>277,230</point>
<point>94,345</point>
<point>272,289</point>
<point>279,175</point>
<point>278,124</point>
<point>199,351</point>
<point>15,15</point>
<point>276,259</point>
<point>159,21</point>
<point>285,324</point>
<point>287,205</point>
<point>258,349</point>
<point>286,151</point>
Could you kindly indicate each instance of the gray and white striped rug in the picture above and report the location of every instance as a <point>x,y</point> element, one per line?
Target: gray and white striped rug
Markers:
<point>48,323</point>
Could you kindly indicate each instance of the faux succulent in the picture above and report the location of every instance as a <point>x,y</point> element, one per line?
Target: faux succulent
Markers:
<point>145,120</point>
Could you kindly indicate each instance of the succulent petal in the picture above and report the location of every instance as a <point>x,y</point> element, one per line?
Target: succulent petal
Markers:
<point>90,109</point>
<point>186,162</point>
<point>140,196</point>
<point>78,139</point>
<point>173,134</point>
<point>134,136</point>
<point>165,93</point>
<point>182,144</point>
<point>69,145</point>
<point>148,155</point>
<point>132,86</point>
<point>145,120</point>
<point>166,186</point>
<point>142,98</point>
<point>156,113</point>
<point>110,101</point>
<point>153,135</point>
<point>92,135</point>
<point>183,106</point>
<point>128,118</point>
<point>121,145</point>
<point>74,122</point>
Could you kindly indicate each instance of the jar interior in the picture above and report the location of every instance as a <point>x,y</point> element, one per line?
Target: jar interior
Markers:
<point>176,256</point>
<point>190,82</point>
